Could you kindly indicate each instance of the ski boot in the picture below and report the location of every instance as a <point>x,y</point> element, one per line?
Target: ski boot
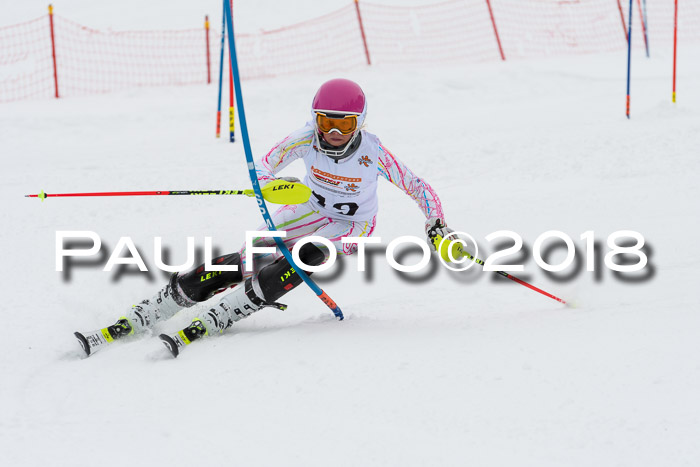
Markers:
<point>185,337</point>
<point>238,304</point>
<point>93,341</point>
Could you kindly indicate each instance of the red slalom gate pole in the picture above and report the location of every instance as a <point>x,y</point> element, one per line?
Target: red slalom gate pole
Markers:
<point>206,28</point>
<point>222,64</point>
<point>675,43</point>
<point>362,31</point>
<point>495,30</point>
<point>53,51</point>
<point>231,110</point>
<point>622,17</point>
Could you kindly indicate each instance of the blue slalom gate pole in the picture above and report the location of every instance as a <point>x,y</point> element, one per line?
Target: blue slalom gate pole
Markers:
<point>251,169</point>
<point>221,71</point>
<point>629,58</point>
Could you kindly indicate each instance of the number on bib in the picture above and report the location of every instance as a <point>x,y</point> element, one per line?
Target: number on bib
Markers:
<point>346,209</point>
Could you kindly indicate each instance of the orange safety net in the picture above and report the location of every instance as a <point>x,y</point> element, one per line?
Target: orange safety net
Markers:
<point>26,67</point>
<point>91,61</point>
<point>450,32</point>
<point>325,44</point>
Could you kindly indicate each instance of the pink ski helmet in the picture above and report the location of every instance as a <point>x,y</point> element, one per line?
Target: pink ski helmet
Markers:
<point>336,99</point>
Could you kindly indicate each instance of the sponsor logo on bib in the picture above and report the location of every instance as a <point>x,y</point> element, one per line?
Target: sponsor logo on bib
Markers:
<point>364,160</point>
<point>335,180</point>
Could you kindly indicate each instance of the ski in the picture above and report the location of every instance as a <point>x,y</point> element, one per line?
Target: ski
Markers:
<point>176,342</point>
<point>93,341</point>
<point>173,343</point>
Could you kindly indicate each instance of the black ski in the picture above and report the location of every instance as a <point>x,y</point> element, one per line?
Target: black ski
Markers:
<point>176,342</point>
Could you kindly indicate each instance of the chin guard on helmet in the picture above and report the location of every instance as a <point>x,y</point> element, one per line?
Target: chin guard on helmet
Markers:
<point>337,152</point>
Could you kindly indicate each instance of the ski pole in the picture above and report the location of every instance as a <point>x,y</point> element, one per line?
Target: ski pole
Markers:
<point>463,253</point>
<point>277,192</point>
<point>253,176</point>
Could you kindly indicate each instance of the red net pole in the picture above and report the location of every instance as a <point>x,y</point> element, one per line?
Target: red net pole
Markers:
<point>622,17</point>
<point>206,28</point>
<point>362,31</point>
<point>53,51</point>
<point>675,42</point>
<point>495,30</point>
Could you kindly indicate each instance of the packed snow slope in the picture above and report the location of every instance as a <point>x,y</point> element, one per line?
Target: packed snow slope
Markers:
<point>430,368</point>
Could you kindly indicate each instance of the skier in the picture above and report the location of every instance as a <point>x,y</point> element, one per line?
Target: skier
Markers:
<point>343,163</point>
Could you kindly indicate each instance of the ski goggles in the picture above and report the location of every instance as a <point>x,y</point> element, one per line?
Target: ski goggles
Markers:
<point>345,124</point>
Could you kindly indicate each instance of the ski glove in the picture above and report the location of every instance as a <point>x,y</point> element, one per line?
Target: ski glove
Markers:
<point>436,230</point>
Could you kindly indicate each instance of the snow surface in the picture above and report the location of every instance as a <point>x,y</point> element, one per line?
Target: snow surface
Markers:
<point>457,369</point>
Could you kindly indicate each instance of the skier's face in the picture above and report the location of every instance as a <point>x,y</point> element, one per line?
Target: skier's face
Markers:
<point>335,138</point>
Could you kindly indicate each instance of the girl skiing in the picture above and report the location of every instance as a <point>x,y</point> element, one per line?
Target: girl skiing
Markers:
<point>343,164</point>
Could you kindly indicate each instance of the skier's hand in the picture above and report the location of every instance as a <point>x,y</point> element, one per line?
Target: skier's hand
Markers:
<point>436,230</point>
<point>450,250</point>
